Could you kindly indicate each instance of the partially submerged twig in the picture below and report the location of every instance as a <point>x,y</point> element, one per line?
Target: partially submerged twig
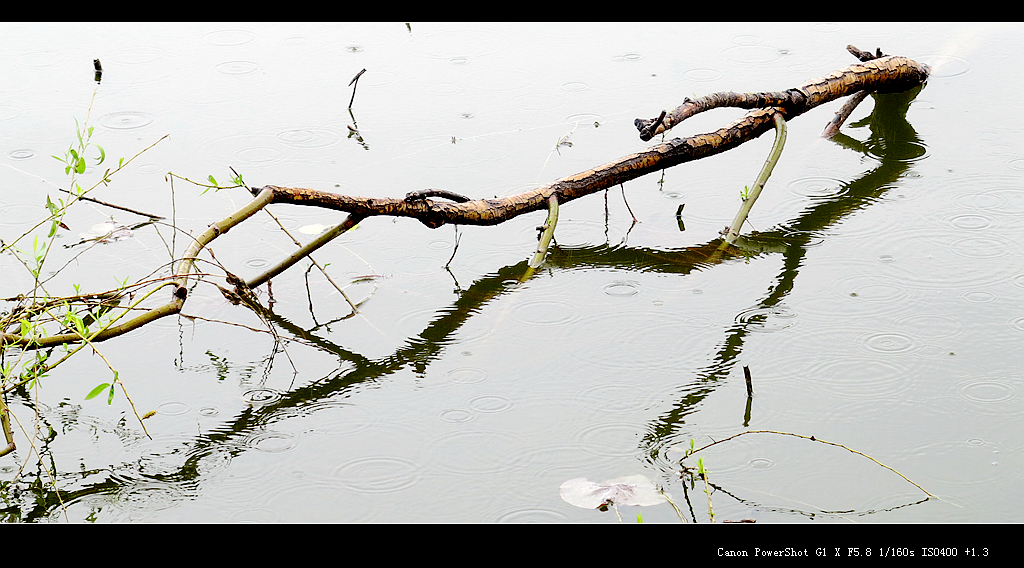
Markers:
<point>832,128</point>
<point>813,439</point>
<point>547,231</point>
<point>762,178</point>
<point>354,83</point>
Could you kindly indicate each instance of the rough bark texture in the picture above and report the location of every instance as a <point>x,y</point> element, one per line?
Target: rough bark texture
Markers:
<point>890,74</point>
<point>886,74</point>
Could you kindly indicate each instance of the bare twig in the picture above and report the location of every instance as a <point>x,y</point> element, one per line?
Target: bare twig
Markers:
<point>354,83</point>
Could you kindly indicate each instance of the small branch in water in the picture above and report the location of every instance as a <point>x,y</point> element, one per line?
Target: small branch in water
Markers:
<point>832,128</point>
<point>750,386</point>
<point>456,249</point>
<point>623,188</point>
<point>354,83</point>
<point>813,439</point>
<point>762,178</point>
<point>548,232</point>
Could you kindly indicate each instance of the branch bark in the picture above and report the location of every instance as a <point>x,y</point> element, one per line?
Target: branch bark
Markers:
<point>886,74</point>
<point>881,74</point>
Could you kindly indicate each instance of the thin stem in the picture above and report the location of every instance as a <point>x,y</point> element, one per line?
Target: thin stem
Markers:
<point>813,439</point>
<point>762,178</point>
<point>547,234</point>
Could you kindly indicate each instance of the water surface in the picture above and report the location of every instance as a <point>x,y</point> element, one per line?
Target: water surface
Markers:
<point>879,305</point>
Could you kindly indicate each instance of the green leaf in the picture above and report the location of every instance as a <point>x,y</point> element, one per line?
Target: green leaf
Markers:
<point>80,166</point>
<point>103,154</point>
<point>110,397</point>
<point>96,391</point>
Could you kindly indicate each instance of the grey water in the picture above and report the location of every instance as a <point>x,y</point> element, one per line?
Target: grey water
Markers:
<point>879,302</point>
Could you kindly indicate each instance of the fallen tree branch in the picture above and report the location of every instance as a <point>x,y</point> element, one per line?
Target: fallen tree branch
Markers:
<point>887,74</point>
<point>882,74</point>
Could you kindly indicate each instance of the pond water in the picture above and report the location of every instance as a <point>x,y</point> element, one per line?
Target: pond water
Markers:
<point>880,305</point>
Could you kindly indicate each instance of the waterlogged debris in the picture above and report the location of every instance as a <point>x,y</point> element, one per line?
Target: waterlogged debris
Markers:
<point>635,490</point>
<point>107,232</point>
<point>313,229</point>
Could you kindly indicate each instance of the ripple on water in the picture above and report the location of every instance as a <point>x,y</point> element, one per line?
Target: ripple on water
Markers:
<point>860,377</point>
<point>126,120</point>
<point>379,474</point>
<point>494,79</point>
<point>945,65</point>
<point>618,397</point>
<point>333,418</point>
<point>817,187</point>
<point>443,89</point>
<point>466,375</point>
<point>19,215</point>
<point>477,452</point>
<point>630,56</point>
<point>942,258</point>
<point>575,86</point>
<point>249,149</point>
<point>767,320</point>
<point>747,54</point>
<point>470,41</point>
<point>887,342</point>
<point>237,67</point>
<point>456,415</point>
<point>40,59</point>
<point>532,515</point>
<point>22,154</point>
<point>879,292</point>
<point>173,408</point>
<point>987,391</point>
<point>702,74</point>
<point>609,440</point>
<point>970,221</point>
<point>646,340</point>
<point>261,396</point>
<point>621,288</point>
<point>229,37</point>
<point>489,404</point>
<point>272,442</point>
<point>956,463</point>
<point>1001,195</point>
<point>137,55</point>
<point>932,326</point>
<point>310,138</point>
<point>584,118</point>
<point>546,312</point>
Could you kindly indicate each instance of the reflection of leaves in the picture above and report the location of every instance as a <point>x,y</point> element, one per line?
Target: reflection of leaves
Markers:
<point>629,490</point>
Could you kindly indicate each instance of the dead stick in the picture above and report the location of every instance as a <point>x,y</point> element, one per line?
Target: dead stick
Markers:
<point>354,83</point>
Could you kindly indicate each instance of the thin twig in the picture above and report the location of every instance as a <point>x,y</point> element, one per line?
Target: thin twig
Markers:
<point>762,178</point>
<point>813,439</point>
<point>354,83</point>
